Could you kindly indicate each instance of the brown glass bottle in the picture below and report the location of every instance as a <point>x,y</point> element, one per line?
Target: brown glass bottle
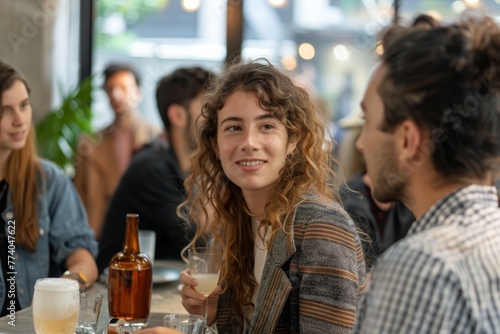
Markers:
<point>130,280</point>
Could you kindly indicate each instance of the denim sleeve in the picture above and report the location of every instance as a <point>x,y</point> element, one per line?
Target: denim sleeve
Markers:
<point>69,228</point>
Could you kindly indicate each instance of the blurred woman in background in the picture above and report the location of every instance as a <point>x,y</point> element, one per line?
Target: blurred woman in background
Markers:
<point>45,230</point>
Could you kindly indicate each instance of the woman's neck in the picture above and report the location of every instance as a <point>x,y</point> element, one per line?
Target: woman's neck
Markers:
<point>256,202</point>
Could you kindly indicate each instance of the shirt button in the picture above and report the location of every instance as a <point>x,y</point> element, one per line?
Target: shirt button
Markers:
<point>9,215</point>
<point>42,231</point>
<point>21,291</point>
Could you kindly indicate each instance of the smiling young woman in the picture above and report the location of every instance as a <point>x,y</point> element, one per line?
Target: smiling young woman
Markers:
<point>292,257</point>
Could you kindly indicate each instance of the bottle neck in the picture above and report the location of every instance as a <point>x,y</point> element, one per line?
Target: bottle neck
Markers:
<point>132,234</point>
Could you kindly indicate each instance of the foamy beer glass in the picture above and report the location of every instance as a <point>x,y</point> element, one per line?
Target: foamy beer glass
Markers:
<point>56,303</point>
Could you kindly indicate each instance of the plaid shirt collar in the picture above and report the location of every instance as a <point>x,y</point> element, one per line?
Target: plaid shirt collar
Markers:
<point>455,201</point>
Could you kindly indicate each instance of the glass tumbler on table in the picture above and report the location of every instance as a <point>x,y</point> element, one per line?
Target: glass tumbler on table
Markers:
<point>90,308</point>
<point>56,303</point>
<point>185,323</point>
<point>204,265</point>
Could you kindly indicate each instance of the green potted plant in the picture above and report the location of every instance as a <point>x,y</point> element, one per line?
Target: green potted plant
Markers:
<point>58,132</point>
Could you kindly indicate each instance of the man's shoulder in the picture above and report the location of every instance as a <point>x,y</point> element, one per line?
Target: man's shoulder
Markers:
<point>468,221</point>
<point>154,151</point>
<point>89,141</point>
<point>407,260</point>
<point>149,128</point>
<point>154,157</point>
<point>147,124</point>
<point>452,242</point>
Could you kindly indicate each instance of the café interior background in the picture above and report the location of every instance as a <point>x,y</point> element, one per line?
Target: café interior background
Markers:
<point>329,46</point>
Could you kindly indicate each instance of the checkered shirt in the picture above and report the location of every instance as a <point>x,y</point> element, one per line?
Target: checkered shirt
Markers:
<point>444,277</point>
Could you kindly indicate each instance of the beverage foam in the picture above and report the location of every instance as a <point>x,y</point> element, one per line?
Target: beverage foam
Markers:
<point>56,285</point>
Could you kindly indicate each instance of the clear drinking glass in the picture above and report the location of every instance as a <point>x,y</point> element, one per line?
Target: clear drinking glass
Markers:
<point>204,265</point>
<point>90,308</point>
<point>147,243</point>
<point>185,323</point>
<point>56,303</point>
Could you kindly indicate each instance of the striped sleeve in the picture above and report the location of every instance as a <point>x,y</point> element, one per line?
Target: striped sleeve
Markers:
<point>330,266</point>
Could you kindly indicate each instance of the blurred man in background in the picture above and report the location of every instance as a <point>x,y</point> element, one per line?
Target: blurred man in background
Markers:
<point>101,161</point>
<point>153,185</point>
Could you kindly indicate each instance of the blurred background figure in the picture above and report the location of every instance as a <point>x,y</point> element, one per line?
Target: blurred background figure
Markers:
<point>102,159</point>
<point>42,215</point>
<point>153,184</point>
<point>333,132</point>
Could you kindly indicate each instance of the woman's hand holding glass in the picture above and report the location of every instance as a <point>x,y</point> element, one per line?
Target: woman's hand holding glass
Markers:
<point>200,293</point>
<point>192,300</point>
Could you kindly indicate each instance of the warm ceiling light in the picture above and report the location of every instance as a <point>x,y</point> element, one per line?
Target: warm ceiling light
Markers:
<point>289,62</point>
<point>306,51</point>
<point>191,5</point>
<point>277,3</point>
<point>471,3</point>
<point>341,52</point>
<point>458,6</point>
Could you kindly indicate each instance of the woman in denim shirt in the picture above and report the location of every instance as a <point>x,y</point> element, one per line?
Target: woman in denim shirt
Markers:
<point>45,229</point>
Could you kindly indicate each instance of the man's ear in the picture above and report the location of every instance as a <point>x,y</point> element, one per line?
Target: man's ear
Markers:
<point>177,115</point>
<point>409,140</point>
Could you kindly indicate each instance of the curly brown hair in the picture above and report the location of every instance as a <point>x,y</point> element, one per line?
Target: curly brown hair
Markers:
<point>308,169</point>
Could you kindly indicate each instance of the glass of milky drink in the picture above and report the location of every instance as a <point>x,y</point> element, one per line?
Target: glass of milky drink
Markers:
<point>204,265</point>
<point>56,303</point>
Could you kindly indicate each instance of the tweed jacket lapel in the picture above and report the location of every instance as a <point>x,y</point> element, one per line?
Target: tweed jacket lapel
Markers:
<point>275,285</point>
